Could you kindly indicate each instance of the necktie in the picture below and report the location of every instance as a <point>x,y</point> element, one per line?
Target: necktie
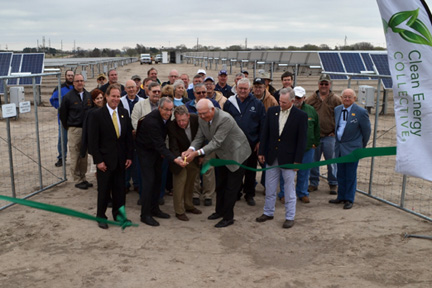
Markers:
<point>116,127</point>
<point>345,114</point>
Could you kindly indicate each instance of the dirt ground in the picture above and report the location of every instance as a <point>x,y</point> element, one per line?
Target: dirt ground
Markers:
<point>327,247</point>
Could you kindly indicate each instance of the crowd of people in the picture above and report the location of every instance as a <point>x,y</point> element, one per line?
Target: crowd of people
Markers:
<point>154,137</point>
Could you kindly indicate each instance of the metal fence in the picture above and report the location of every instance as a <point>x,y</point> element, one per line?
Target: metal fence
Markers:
<point>28,148</point>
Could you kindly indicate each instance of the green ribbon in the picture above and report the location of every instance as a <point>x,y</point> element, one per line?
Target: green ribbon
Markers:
<point>352,157</point>
<point>122,220</point>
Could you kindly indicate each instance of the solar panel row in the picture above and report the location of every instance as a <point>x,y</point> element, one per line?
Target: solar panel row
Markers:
<point>18,63</point>
<point>353,62</point>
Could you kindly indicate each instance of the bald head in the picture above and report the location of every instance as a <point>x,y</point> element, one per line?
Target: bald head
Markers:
<point>205,109</point>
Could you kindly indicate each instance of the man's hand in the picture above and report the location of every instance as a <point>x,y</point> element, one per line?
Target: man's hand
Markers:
<point>180,162</point>
<point>128,163</point>
<point>257,148</point>
<point>261,159</point>
<point>296,169</point>
<point>189,154</point>
<point>101,166</point>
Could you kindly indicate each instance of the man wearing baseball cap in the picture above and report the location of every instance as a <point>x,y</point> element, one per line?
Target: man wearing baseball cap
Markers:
<point>324,101</point>
<point>313,141</point>
<point>140,92</point>
<point>222,85</point>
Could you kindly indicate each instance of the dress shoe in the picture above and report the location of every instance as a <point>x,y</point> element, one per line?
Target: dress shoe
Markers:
<point>194,211</point>
<point>305,199</point>
<point>109,205</point>
<point>149,221</point>
<point>196,201</point>
<point>336,201</point>
<point>282,200</point>
<point>136,189</point>
<point>161,201</point>
<point>214,216</point>
<point>348,205</point>
<point>333,189</point>
<point>89,185</point>
<point>264,218</point>
<point>81,185</point>
<point>224,223</point>
<point>250,201</point>
<point>182,217</point>
<point>208,202</point>
<point>312,188</point>
<point>59,163</point>
<point>103,225</point>
<point>160,214</point>
<point>288,224</point>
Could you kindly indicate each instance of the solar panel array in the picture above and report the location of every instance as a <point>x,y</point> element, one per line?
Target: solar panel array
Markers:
<point>18,63</point>
<point>355,62</point>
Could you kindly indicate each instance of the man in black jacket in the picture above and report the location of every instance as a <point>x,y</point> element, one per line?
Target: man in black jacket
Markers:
<point>112,147</point>
<point>150,146</point>
<point>72,111</point>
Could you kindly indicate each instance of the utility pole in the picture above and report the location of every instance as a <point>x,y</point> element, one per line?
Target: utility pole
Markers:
<point>245,43</point>
<point>197,43</point>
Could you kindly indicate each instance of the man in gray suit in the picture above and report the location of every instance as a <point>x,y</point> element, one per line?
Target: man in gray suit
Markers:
<point>229,142</point>
<point>352,132</point>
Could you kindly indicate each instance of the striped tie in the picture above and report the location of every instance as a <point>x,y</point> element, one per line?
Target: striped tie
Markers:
<point>116,127</point>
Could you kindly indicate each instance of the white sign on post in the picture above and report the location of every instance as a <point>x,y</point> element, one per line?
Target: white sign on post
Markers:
<point>9,110</point>
<point>24,107</point>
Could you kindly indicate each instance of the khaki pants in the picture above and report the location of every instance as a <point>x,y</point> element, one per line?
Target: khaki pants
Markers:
<point>183,183</point>
<point>209,181</point>
<point>78,165</point>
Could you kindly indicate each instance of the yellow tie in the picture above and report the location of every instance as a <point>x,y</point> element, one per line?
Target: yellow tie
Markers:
<point>116,127</point>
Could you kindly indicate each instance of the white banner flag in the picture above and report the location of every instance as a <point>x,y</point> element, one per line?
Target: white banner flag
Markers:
<point>407,27</point>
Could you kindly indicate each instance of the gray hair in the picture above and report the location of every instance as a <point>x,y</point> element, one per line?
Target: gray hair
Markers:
<point>244,81</point>
<point>289,91</point>
<point>112,69</point>
<point>240,75</point>
<point>181,110</point>
<point>177,83</point>
<point>153,84</point>
<point>164,100</point>
<point>198,86</point>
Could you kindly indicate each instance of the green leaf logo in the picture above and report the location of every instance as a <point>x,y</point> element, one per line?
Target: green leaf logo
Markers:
<point>409,27</point>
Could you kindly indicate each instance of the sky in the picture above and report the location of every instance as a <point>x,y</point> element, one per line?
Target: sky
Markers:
<point>281,23</point>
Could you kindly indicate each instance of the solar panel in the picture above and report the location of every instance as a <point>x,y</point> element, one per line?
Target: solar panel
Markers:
<point>331,62</point>
<point>381,63</point>
<point>368,62</point>
<point>353,64</point>
<point>5,63</point>
<point>32,63</point>
<point>16,65</point>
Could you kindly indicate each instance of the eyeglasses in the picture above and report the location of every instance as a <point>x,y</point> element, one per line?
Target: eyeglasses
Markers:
<point>167,110</point>
<point>200,93</point>
<point>324,84</point>
<point>156,91</point>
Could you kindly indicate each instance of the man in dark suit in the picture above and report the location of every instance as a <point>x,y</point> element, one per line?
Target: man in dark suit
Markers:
<point>352,132</point>
<point>229,142</point>
<point>283,141</point>
<point>112,149</point>
<point>151,149</point>
<point>181,132</point>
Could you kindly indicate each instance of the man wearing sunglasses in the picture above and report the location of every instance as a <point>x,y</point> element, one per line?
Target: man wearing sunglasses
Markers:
<point>324,101</point>
<point>142,108</point>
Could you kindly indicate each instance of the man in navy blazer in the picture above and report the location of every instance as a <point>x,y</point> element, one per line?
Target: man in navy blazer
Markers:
<point>283,141</point>
<point>112,151</point>
<point>352,132</point>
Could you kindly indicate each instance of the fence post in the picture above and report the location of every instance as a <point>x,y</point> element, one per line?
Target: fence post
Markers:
<point>37,133</point>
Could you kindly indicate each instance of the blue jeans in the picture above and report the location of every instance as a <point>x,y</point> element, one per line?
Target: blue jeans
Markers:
<point>303,175</point>
<point>65,140</point>
<point>327,147</point>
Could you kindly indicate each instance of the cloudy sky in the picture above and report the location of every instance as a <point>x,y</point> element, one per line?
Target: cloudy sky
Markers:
<point>95,23</point>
